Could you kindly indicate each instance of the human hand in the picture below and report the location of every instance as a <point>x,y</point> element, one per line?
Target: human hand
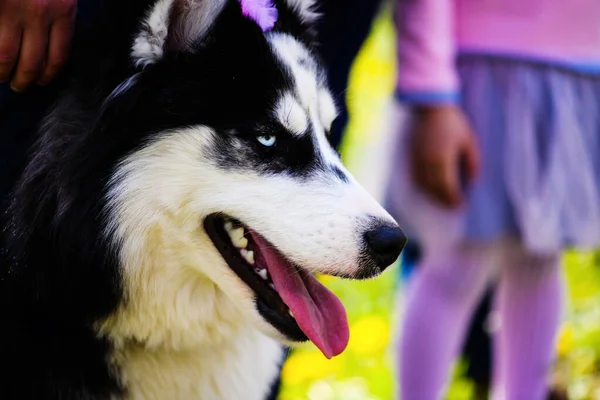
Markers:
<point>442,149</point>
<point>35,37</point>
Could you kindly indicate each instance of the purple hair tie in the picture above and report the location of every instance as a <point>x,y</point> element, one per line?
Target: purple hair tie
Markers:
<point>263,12</point>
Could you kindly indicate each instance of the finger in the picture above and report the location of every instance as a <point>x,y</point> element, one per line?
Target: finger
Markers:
<point>423,170</point>
<point>433,182</point>
<point>10,41</point>
<point>471,160</point>
<point>417,173</point>
<point>452,188</point>
<point>61,34</point>
<point>31,57</point>
<point>445,183</point>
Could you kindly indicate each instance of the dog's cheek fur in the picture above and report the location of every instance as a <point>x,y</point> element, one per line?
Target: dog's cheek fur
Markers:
<point>182,302</point>
<point>179,292</point>
<point>162,248</point>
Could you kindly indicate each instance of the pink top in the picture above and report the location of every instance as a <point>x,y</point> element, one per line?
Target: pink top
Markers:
<point>432,32</point>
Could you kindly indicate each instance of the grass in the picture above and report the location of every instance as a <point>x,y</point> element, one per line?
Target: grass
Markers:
<point>365,370</point>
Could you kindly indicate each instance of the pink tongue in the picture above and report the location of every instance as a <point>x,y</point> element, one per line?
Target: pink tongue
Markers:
<point>318,312</point>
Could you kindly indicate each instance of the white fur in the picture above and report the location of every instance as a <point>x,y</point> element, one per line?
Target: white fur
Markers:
<point>194,21</point>
<point>238,369</point>
<point>121,88</point>
<point>290,52</point>
<point>191,20</point>
<point>327,109</point>
<point>149,44</point>
<point>291,114</point>
<point>314,97</point>
<point>304,8</point>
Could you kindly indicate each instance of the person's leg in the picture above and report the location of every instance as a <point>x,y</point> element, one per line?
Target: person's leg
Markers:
<point>477,345</point>
<point>529,299</point>
<point>477,349</point>
<point>441,298</point>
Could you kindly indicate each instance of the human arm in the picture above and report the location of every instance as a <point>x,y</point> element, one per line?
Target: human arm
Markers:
<point>443,151</point>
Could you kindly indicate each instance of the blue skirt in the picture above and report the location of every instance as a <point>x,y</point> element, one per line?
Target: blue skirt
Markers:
<point>538,130</point>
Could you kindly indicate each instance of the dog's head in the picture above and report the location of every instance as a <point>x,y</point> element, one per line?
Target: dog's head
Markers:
<point>229,198</point>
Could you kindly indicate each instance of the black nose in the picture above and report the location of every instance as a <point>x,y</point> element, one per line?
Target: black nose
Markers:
<point>385,243</point>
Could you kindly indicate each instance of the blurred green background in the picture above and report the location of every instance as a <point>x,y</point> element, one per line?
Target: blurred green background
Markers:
<point>365,370</point>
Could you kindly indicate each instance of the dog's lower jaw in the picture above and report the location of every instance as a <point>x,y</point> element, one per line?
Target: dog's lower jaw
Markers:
<point>242,368</point>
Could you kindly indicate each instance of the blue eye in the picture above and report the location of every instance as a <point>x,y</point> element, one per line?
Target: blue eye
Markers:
<point>267,140</point>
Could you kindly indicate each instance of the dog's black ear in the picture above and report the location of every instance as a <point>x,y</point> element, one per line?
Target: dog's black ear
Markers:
<point>173,25</point>
<point>298,18</point>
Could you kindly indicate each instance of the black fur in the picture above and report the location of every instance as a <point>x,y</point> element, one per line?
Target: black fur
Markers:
<point>57,275</point>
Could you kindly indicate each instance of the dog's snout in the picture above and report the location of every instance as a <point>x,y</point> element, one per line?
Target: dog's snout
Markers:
<point>385,243</point>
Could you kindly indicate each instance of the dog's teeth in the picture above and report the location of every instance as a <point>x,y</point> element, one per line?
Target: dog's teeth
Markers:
<point>248,255</point>
<point>291,314</point>
<point>272,286</point>
<point>237,238</point>
<point>228,225</point>
<point>237,232</point>
<point>240,242</point>
<point>262,273</point>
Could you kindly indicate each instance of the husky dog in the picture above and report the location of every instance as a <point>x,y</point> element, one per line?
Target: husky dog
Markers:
<point>163,240</point>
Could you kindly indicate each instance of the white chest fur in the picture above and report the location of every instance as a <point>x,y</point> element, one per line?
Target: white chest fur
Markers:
<point>240,369</point>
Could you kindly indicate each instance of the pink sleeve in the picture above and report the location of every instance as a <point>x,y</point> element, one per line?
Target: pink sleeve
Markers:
<point>426,51</point>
